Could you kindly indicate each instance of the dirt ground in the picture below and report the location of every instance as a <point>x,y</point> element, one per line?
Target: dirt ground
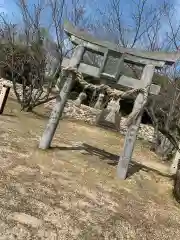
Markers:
<point>71,191</point>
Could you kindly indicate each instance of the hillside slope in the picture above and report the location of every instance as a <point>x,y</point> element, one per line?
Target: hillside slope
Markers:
<point>70,192</point>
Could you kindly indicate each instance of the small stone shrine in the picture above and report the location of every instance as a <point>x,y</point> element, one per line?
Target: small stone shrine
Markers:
<point>110,116</point>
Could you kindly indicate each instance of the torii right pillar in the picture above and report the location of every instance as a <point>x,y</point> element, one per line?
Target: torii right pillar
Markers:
<point>130,139</point>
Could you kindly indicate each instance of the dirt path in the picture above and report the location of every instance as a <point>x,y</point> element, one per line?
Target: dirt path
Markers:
<point>70,193</point>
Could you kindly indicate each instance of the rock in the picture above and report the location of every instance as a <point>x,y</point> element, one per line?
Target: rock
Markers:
<point>26,219</point>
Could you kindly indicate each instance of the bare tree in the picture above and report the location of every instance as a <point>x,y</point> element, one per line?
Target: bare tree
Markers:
<point>170,111</point>
<point>74,11</point>
<point>128,29</point>
<point>26,62</point>
<point>37,52</point>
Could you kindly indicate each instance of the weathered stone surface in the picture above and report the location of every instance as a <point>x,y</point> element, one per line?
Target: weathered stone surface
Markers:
<point>82,96</point>
<point>99,102</point>
<point>111,122</point>
<point>26,219</point>
<point>110,117</point>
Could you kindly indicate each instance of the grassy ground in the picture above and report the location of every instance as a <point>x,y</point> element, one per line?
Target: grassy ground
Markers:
<point>69,192</point>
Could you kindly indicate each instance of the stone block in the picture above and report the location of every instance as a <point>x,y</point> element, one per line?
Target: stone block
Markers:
<point>108,119</point>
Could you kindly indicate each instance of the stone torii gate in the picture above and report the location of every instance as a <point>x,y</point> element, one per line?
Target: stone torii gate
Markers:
<point>110,69</point>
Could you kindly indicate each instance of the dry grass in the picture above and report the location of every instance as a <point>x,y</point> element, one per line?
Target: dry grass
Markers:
<point>68,193</point>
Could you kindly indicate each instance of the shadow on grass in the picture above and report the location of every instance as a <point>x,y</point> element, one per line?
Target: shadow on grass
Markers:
<point>67,148</point>
<point>8,115</point>
<point>110,158</point>
<point>133,166</point>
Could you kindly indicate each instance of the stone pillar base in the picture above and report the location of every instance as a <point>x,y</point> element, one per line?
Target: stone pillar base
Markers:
<point>112,122</point>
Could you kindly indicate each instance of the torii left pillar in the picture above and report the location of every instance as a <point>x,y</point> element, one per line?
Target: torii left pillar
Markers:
<point>61,100</point>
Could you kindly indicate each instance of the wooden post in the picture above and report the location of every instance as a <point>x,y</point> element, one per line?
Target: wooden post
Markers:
<point>61,100</point>
<point>132,131</point>
<point>4,96</point>
<point>175,163</point>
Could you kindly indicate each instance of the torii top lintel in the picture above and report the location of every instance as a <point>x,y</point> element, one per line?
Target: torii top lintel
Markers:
<point>78,36</point>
